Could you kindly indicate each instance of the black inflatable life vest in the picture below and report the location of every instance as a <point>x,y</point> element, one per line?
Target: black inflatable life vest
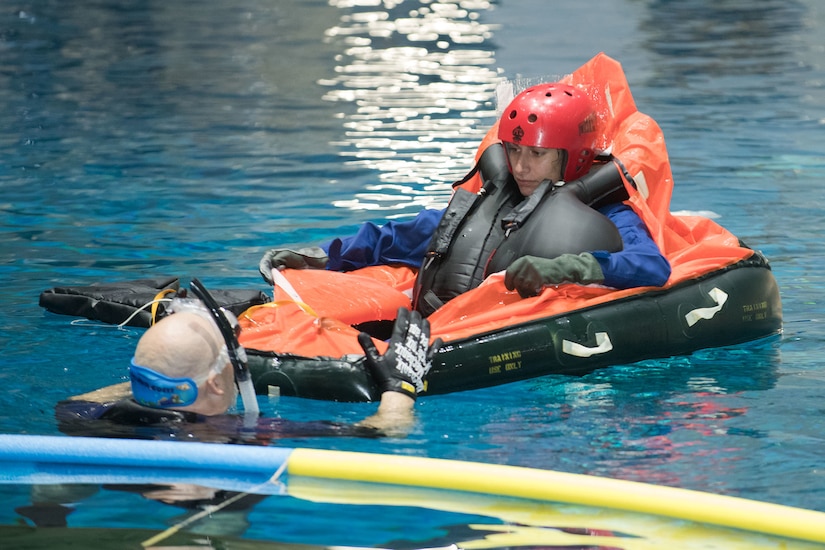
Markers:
<point>483,233</point>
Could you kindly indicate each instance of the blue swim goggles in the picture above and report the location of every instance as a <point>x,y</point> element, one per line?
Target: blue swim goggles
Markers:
<point>153,389</point>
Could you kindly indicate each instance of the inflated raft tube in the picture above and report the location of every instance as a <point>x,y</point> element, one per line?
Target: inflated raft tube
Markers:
<point>730,306</point>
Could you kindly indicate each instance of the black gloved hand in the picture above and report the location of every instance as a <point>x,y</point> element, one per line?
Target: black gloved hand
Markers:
<point>311,257</point>
<point>529,274</point>
<point>408,358</point>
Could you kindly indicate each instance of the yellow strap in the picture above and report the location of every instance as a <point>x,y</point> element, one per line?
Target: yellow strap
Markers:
<point>278,303</point>
<point>156,300</point>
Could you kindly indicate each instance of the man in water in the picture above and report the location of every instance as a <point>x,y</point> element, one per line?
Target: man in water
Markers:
<point>182,384</point>
<point>181,373</point>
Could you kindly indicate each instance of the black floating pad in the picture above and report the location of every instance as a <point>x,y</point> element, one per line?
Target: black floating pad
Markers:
<point>115,303</point>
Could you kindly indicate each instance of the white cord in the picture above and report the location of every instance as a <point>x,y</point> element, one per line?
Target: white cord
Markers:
<point>278,279</point>
<point>88,323</point>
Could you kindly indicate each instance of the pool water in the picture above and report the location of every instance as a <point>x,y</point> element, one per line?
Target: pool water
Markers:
<point>153,138</point>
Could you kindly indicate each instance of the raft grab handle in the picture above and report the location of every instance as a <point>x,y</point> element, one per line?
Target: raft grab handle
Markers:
<point>603,345</point>
<point>719,296</point>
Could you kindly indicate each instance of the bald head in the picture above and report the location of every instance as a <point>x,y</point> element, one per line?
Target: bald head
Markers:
<point>181,345</point>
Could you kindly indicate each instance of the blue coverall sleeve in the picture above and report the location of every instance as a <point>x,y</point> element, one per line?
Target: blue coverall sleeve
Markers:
<point>393,243</point>
<point>640,262</point>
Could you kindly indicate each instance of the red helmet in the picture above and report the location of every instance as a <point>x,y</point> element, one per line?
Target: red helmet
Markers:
<point>553,116</point>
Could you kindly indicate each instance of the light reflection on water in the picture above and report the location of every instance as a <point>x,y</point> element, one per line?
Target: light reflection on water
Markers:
<point>422,81</point>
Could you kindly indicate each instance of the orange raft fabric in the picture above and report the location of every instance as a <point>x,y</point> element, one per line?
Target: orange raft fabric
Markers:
<point>693,245</point>
<point>320,324</point>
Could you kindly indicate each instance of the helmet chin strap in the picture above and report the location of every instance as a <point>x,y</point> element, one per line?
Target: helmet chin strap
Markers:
<point>237,354</point>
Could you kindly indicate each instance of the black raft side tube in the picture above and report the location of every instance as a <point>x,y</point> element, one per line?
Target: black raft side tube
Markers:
<point>653,325</point>
<point>323,378</point>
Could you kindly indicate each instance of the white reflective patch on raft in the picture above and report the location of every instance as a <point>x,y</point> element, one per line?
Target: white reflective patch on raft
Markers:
<point>603,345</point>
<point>719,296</point>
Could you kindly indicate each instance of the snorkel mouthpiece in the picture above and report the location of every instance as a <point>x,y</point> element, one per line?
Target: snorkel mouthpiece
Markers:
<point>156,390</point>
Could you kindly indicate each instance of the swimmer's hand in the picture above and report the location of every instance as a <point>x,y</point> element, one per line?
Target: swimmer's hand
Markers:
<point>408,358</point>
<point>312,257</point>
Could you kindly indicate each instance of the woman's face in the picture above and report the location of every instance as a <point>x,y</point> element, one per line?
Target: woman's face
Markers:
<point>532,165</point>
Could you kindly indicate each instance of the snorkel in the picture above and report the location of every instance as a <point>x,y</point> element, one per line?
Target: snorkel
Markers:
<point>237,354</point>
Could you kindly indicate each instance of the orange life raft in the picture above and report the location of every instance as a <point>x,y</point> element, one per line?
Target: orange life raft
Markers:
<point>720,293</point>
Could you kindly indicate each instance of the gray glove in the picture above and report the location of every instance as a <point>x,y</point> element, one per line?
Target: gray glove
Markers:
<point>408,358</point>
<point>529,274</point>
<point>311,257</point>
